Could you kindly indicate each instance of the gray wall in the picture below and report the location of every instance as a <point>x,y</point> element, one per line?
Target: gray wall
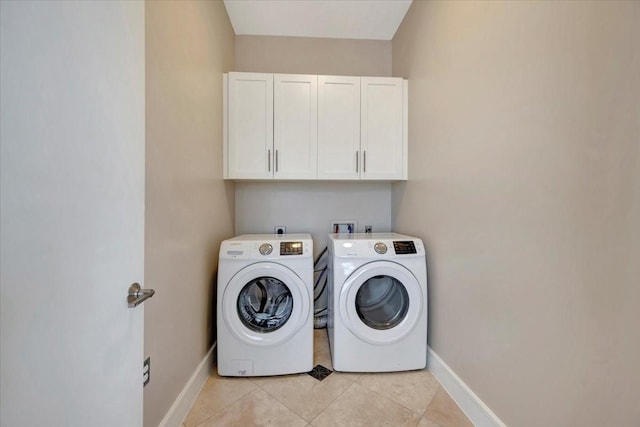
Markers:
<point>310,206</point>
<point>305,207</point>
<point>524,182</point>
<point>189,208</point>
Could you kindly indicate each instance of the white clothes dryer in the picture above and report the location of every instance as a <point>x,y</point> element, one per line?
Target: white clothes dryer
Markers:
<point>265,305</point>
<point>377,317</point>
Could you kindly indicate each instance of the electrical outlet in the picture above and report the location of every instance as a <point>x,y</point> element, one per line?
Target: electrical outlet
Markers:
<point>146,371</point>
<point>280,230</point>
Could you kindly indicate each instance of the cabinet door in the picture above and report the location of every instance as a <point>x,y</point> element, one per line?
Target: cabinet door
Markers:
<point>250,126</point>
<point>338,127</point>
<point>382,128</point>
<point>295,126</point>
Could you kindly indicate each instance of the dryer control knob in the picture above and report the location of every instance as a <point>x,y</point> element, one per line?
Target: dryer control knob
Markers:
<point>265,249</point>
<point>380,247</point>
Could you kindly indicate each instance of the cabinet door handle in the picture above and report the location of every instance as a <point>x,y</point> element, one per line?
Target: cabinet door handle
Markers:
<point>356,161</point>
<point>364,161</point>
<point>268,160</point>
<point>276,160</point>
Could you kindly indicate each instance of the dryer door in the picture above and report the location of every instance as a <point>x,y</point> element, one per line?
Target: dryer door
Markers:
<point>265,304</point>
<point>381,302</point>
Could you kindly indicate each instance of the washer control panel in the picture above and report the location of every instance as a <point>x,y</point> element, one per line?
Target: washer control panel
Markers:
<point>290,248</point>
<point>267,246</point>
<point>265,249</point>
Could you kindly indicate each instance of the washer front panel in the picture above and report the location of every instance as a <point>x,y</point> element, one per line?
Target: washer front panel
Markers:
<point>381,302</point>
<point>267,329</point>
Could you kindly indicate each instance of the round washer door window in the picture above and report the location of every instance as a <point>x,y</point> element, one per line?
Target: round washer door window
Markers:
<point>265,304</point>
<point>381,302</point>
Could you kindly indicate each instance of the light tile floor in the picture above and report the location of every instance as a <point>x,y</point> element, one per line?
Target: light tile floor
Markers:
<point>412,398</point>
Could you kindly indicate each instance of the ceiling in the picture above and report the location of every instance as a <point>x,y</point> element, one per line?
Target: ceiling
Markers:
<point>344,19</point>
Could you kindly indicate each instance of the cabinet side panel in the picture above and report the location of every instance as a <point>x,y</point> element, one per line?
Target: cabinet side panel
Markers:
<point>225,126</point>
<point>405,129</point>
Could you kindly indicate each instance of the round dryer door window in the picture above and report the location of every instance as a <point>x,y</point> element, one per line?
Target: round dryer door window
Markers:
<point>265,304</point>
<point>381,302</point>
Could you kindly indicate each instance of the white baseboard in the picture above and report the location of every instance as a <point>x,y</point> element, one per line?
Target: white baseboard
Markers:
<point>474,408</point>
<point>181,406</point>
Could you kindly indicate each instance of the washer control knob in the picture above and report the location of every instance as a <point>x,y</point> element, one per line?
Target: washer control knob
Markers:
<point>265,249</point>
<point>380,247</point>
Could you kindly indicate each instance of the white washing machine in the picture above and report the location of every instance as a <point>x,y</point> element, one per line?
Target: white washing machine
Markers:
<point>377,320</point>
<point>265,305</point>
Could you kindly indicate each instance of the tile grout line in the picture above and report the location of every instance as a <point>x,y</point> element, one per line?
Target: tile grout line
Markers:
<point>401,404</point>
<point>226,406</point>
<point>299,415</point>
<point>281,402</point>
<point>391,400</point>
<point>332,402</point>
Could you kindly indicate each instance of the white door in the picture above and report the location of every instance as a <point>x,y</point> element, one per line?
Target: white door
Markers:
<point>295,126</point>
<point>250,126</point>
<point>338,127</point>
<point>382,128</point>
<point>72,212</point>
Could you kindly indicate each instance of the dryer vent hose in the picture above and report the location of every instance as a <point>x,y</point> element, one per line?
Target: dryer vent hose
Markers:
<point>320,290</point>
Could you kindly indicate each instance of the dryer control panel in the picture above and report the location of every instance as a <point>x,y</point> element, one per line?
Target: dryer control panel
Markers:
<point>404,247</point>
<point>376,246</point>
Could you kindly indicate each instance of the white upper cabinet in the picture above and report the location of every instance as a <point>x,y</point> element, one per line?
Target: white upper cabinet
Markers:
<point>361,128</point>
<point>300,127</point>
<point>295,126</point>
<point>271,126</point>
<point>338,127</point>
<point>381,132</point>
<point>250,126</point>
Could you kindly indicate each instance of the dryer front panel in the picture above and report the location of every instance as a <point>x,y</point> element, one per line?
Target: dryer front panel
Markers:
<point>265,304</point>
<point>381,302</point>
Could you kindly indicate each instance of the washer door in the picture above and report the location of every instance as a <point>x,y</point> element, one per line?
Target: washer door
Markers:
<point>381,302</point>
<point>265,304</point>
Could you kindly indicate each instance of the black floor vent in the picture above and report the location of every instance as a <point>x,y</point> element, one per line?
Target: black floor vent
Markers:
<point>319,372</point>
